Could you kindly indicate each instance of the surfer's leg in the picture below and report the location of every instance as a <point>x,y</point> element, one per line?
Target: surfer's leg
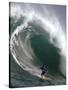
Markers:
<point>42,74</point>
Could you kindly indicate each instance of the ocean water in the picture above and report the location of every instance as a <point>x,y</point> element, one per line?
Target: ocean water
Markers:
<point>37,38</point>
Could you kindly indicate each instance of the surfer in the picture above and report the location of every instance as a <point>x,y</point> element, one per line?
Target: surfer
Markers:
<point>44,71</point>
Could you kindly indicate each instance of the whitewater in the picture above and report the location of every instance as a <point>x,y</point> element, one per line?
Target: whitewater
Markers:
<point>33,24</point>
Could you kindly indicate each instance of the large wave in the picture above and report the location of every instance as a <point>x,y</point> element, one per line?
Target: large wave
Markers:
<point>36,39</point>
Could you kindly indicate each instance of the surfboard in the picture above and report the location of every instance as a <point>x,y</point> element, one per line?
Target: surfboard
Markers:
<point>45,78</point>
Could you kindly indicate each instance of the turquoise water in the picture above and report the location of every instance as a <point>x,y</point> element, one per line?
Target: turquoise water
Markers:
<point>47,54</point>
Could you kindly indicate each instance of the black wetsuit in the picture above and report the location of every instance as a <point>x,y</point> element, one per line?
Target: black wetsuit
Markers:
<point>44,70</point>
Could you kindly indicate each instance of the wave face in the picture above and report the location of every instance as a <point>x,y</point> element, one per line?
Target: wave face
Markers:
<point>36,39</point>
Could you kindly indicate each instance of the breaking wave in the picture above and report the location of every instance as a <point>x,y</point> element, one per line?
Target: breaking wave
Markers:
<point>36,40</point>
